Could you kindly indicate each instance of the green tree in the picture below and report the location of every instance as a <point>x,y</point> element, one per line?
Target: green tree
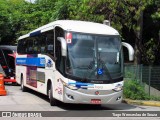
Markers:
<point>137,21</point>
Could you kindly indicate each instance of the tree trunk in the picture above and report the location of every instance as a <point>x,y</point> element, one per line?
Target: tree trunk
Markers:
<point>138,40</point>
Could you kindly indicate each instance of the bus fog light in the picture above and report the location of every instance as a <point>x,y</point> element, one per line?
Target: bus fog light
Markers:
<point>118,98</point>
<point>71,97</point>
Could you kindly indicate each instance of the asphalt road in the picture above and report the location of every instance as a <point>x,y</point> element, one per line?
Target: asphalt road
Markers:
<point>16,100</point>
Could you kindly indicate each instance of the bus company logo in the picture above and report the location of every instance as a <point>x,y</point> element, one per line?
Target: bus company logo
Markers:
<point>98,87</point>
<point>49,63</point>
<point>6,114</point>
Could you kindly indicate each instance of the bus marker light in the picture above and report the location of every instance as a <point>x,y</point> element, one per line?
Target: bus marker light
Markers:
<point>69,37</point>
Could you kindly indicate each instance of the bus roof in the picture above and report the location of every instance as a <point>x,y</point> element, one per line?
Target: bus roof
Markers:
<point>76,26</point>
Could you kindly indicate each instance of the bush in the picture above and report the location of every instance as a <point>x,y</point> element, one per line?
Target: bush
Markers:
<point>134,90</point>
<point>154,98</point>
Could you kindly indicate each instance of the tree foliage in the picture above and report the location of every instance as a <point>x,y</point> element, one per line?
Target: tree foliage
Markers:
<point>137,21</point>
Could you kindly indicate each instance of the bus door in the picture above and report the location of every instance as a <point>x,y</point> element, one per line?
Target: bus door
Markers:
<point>1,70</point>
<point>3,65</point>
<point>8,65</point>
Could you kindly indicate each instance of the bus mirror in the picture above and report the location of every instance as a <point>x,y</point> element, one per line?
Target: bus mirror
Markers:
<point>130,50</point>
<point>63,46</point>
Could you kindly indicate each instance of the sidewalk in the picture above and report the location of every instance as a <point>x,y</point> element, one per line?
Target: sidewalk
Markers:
<point>142,102</point>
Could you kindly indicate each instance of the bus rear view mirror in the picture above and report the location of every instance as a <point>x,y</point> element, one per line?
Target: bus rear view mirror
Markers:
<point>63,46</point>
<point>130,50</point>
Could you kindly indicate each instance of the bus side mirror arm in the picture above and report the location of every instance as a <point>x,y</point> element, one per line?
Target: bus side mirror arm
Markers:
<point>63,46</point>
<point>130,50</point>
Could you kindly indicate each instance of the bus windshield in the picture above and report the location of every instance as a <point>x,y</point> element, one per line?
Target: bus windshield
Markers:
<point>95,57</point>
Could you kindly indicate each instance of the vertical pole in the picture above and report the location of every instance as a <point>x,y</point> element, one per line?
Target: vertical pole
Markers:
<point>134,69</point>
<point>138,69</point>
<point>141,68</point>
<point>149,79</point>
<point>54,42</point>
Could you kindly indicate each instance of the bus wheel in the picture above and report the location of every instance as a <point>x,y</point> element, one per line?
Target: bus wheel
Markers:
<point>14,83</point>
<point>23,88</point>
<point>53,101</point>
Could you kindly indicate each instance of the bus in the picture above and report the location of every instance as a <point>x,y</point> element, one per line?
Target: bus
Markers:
<point>73,62</point>
<point>7,62</point>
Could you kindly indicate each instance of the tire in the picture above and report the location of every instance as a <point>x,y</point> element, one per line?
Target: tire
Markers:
<point>23,88</point>
<point>14,83</point>
<point>53,101</point>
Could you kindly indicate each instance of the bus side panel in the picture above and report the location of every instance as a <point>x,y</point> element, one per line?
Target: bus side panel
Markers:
<point>54,75</point>
<point>58,86</point>
<point>41,81</point>
<point>20,70</point>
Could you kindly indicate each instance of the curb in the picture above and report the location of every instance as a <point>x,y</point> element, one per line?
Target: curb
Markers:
<point>141,102</point>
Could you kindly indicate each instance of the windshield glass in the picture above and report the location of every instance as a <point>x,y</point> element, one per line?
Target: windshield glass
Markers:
<point>94,57</point>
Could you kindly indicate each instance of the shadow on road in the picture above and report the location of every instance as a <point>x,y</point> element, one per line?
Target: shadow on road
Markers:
<point>79,107</point>
<point>122,106</point>
<point>67,106</point>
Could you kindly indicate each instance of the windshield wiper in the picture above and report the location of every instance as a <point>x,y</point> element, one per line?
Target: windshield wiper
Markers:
<point>105,68</point>
<point>88,68</point>
<point>91,66</point>
<point>101,62</point>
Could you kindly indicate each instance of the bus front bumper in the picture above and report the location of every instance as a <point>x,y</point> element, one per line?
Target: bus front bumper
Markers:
<point>73,96</point>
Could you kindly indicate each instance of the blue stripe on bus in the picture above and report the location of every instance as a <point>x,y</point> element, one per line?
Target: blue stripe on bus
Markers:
<point>80,83</point>
<point>39,62</point>
<point>35,33</point>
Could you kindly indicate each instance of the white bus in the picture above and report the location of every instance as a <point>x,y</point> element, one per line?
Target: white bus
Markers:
<point>73,62</point>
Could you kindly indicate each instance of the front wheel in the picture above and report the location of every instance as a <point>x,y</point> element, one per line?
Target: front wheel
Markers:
<point>53,101</point>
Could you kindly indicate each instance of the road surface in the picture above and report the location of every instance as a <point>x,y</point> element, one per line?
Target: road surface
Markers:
<point>16,100</point>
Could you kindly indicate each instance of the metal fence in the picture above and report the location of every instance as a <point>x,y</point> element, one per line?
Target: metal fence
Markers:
<point>149,76</point>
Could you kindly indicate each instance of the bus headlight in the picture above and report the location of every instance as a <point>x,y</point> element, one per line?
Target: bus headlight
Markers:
<point>69,86</point>
<point>72,87</point>
<point>118,88</point>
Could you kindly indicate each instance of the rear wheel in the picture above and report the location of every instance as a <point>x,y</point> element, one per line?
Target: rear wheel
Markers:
<point>53,101</point>
<point>14,83</point>
<point>23,88</point>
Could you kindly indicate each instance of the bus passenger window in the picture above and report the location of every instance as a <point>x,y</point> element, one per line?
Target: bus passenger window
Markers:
<point>50,42</point>
<point>22,47</point>
<point>2,61</point>
<point>36,46</point>
<point>50,47</point>
<point>43,50</point>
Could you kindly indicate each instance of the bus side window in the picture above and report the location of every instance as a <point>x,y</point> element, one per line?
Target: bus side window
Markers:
<point>36,47</point>
<point>22,46</point>
<point>2,61</point>
<point>30,46</point>
<point>60,60</point>
<point>42,43</point>
<point>50,42</point>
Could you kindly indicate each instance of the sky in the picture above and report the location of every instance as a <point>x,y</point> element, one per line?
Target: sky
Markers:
<point>30,1</point>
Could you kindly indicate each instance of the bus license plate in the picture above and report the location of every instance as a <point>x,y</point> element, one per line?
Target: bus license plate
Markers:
<point>95,101</point>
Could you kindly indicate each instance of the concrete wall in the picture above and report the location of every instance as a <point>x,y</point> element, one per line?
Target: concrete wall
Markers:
<point>153,91</point>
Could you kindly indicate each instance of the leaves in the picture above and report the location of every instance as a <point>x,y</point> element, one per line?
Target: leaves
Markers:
<point>19,17</point>
<point>134,90</point>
